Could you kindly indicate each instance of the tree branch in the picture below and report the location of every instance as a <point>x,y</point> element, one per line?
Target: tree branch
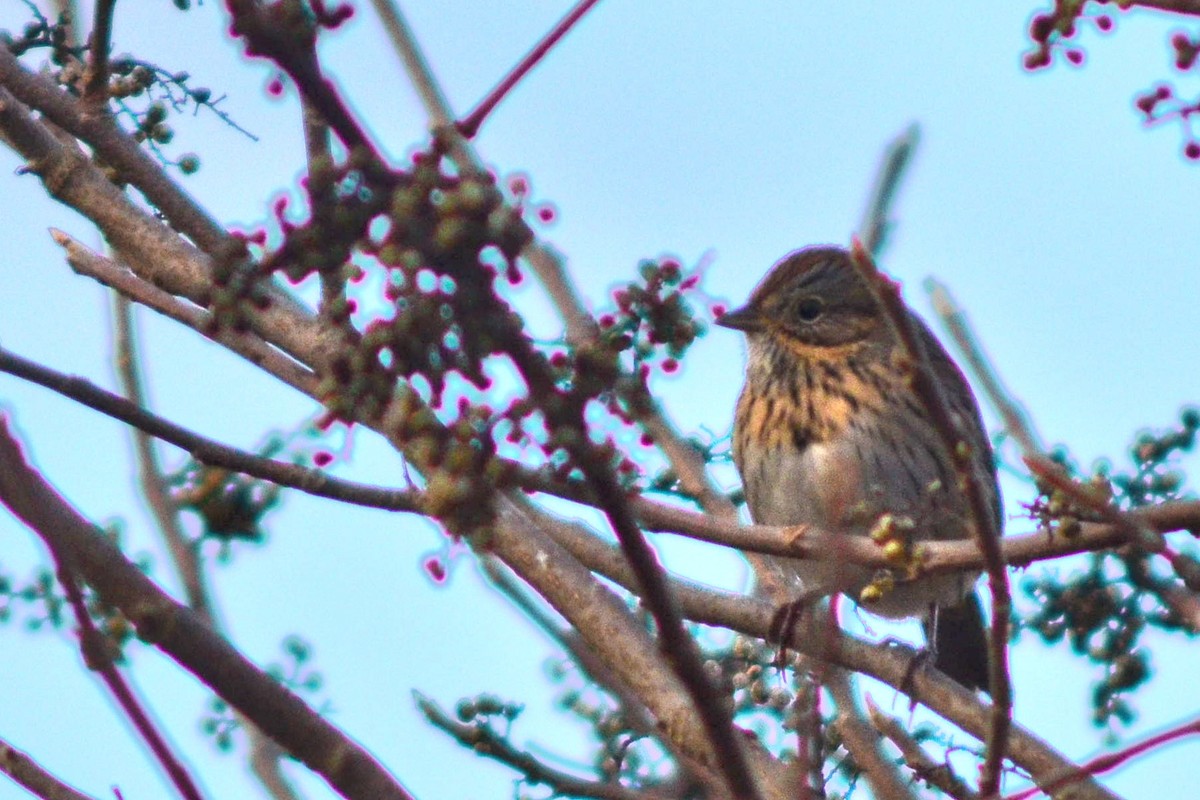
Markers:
<point>37,781</point>
<point>186,638</point>
<point>863,743</point>
<point>486,742</point>
<point>981,521</point>
<point>940,776</point>
<point>877,223</point>
<point>206,451</point>
<point>95,78</point>
<point>98,655</point>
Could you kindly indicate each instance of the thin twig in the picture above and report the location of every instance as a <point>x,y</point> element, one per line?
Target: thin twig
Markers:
<point>469,125</point>
<point>265,754</point>
<point>98,655</point>
<point>1110,761</point>
<point>180,633</point>
<point>863,741</point>
<point>938,775</point>
<point>1017,420</point>
<point>95,78</point>
<point>1056,476</point>
<point>487,742</point>
<point>981,522</point>
<point>247,345</point>
<point>150,473</point>
<point>206,451</point>
<point>33,777</point>
<point>876,223</point>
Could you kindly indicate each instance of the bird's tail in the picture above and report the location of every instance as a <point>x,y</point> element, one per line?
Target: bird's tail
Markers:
<point>959,641</point>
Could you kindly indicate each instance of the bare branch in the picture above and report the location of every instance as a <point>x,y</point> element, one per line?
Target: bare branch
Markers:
<point>121,279</point>
<point>939,775</point>
<point>154,489</point>
<point>877,219</point>
<point>981,521</point>
<point>95,78</point>
<point>37,781</point>
<point>932,558</point>
<point>183,635</point>
<point>1016,419</point>
<point>98,654</point>
<point>310,481</point>
<point>863,741</point>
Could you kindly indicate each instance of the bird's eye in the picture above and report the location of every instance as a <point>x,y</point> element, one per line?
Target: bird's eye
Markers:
<point>809,309</point>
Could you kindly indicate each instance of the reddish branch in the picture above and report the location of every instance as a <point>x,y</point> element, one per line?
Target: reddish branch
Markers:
<point>98,655</point>
<point>284,33</point>
<point>981,521</point>
<point>1110,761</point>
<point>469,125</point>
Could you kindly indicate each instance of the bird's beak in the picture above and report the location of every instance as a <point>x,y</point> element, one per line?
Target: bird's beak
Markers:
<point>746,319</point>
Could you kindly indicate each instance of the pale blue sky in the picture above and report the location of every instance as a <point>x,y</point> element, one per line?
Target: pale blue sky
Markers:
<point>728,131</point>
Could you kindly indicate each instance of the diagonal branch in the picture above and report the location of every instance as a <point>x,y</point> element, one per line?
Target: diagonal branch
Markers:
<point>981,522</point>
<point>184,636</point>
<point>98,655</point>
<point>469,126</point>
<point>36,780</point>
<point>310,481</point>
<point>489,743</point>
<point>940,776</point>
<point>862,741</point>
<point>150,474</point>
<point>876,224</point>
<point>1016,419</point>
